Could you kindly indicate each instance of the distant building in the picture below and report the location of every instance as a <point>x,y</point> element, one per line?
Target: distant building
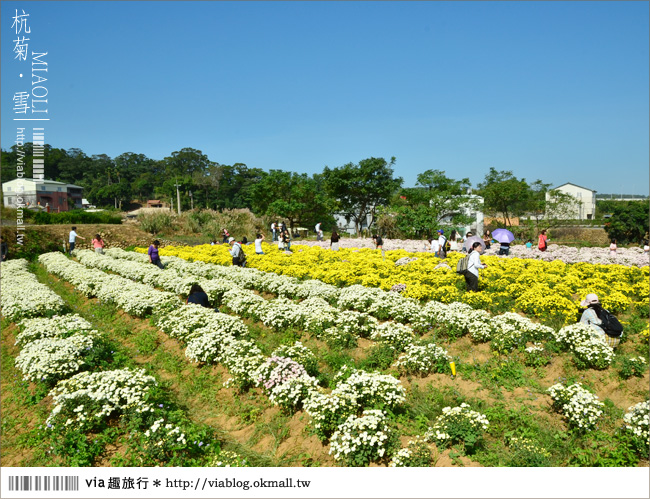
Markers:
<point>154,203</point>
<point>585,206</point>
<point>473,209</point>
<point>345,226</point>
<point>29,193</point>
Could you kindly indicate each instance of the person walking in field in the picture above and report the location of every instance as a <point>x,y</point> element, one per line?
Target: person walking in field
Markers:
<point>73,238</point>
<point>487,238</point>
<point>432,245</point>
<point>225,235</point>
<point>612,248</point>
<point>473,266</point>
<point>237,253</point>
<point>286,238</point>
<point>334,241</point>
<point>542,242</point>
<point>442,241</point>
<point>98,244</point>
<point>154,255</point>
<point>454,241</point>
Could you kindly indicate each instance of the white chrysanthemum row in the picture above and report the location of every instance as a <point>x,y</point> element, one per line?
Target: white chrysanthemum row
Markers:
<point>49,359</point>
<point>134,298</point>
<point>57,326</point>
<point>369,389</point>
<point>242,357</point>
<point>507,330</point>
<point>87,398</point>
<point>147,274</point>
<point>22,295</point>
<point>192,320</point>
<point>313,314</point>
<point>581,407</point>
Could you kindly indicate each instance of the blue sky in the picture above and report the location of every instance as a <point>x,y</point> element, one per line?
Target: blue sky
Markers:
<point>556,91</point>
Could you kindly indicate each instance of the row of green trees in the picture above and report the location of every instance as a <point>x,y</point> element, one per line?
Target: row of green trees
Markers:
<point>367,192</point>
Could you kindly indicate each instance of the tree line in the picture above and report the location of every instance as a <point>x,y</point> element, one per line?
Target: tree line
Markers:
<point>365,193</point>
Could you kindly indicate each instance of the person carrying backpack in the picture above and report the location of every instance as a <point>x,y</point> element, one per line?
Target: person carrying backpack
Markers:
<point>605,325</point>
<point>442,242</point>
<point>470,265</point>
<point>237,253</point>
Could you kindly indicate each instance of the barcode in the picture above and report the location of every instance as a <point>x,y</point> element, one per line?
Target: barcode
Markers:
<point>43,483</point>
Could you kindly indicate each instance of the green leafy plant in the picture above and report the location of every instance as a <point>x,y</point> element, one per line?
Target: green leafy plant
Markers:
<point>633,366</point>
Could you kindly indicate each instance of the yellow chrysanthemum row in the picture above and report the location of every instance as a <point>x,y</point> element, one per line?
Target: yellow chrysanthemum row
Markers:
<point>538,288</point>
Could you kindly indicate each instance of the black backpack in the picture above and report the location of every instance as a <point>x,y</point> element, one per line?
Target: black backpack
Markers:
<point>610,324</point>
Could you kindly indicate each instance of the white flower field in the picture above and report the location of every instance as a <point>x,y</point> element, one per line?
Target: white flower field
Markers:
<point>116,369</point>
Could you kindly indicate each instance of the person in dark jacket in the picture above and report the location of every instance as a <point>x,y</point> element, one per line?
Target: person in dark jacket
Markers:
<point>4,249</point>
<point>198,296</point>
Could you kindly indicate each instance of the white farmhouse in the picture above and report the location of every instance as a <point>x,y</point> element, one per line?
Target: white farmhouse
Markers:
<point>473,208</point>
<point>585,207</point>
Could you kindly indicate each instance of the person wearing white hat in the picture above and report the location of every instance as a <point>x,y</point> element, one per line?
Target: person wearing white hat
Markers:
<point>592,317</point>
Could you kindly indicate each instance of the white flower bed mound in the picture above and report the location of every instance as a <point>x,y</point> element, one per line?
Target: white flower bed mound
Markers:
<point>22,295</point>
<point>422,359</point>
<point>49,359</point>
<point>58,326</point>
<point>193,320</point>
<point>363,439</point>
<point>637,421</point>
<point>587,344</point>
<point>581,408</point>
<point>458,424</point>
<point>242,358</point>
<point>293,393</point>
<point>87,399</point>
<point>457,316</point>
<point>398,336</point>
<point>369,389</point>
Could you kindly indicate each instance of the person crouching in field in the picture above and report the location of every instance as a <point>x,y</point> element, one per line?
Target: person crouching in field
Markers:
<point>593,317</point>
<point>154,255</point>
<point>473,265</point>
<point>198,296</point>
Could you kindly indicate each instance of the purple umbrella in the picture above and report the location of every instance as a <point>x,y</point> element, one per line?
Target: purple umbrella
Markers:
<point>503,235</point>
<point>471,240</point>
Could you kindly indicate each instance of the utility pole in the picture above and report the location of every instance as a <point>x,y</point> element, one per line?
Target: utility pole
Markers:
<point>178,197</point>
<point>191,200</point>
